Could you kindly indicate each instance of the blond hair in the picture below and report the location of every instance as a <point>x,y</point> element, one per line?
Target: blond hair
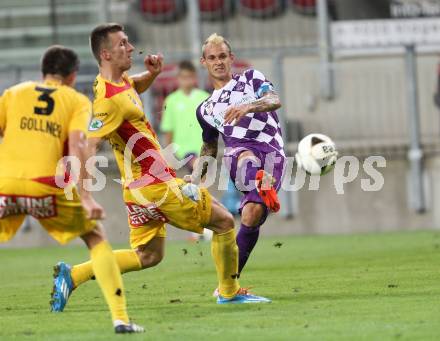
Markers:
<point>215,39</point>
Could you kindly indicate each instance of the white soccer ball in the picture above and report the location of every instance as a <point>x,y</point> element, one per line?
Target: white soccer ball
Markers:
<point>316,154</point>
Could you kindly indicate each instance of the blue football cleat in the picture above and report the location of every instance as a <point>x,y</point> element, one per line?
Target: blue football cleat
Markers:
<point>242,297</point>
<point>62,286</point>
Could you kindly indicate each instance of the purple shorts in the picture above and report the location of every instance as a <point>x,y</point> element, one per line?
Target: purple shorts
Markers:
<point>243,172</point>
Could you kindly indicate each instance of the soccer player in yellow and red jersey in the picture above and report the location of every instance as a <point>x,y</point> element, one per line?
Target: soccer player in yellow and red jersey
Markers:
<point>152,194</point>
<point>41,122</point>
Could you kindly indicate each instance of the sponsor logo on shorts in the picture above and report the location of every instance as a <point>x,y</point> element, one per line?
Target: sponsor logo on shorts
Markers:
<point>38,207</point>
<point>95,124</point>
<point>140,215</point>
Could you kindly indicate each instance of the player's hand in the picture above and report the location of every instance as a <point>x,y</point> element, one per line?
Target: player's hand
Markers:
<point>154,63</point>
<point>93,210</point>
<point>235,113</point>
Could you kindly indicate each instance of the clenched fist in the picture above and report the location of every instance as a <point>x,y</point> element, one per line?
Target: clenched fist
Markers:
<point>154,63</point>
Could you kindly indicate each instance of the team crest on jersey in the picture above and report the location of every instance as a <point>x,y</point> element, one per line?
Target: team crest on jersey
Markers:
<point>95,124</point>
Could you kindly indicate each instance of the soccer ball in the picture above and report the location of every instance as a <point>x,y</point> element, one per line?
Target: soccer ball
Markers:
<point>316,154</point>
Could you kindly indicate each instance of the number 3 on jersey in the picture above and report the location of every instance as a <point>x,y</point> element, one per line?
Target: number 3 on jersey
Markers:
<point>45,97</point>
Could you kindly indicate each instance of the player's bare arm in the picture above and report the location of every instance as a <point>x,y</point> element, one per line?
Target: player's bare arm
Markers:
<point>143,80</point>
<point>77,148</point>
<point>268,102</point>
<point>208,149</point>
<point>88,151</point>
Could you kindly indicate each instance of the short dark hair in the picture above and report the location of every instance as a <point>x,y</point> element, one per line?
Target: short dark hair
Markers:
<point>187,65</point>
<point>99,36</point>
<point>59,60</point>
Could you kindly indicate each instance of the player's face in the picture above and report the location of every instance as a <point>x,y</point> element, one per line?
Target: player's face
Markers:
<point>218,61</point>
<point>186,79</point>
<point>120,53</point>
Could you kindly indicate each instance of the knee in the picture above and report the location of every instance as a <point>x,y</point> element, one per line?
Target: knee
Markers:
<point>149,259</point>
<point>226,223</point>
<point>252,214</point>
<point>93,237</point>
<point>154,259</point>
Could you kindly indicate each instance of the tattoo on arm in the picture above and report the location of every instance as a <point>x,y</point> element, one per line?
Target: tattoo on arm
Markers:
<point>269,102</point>
<point>208,149</point>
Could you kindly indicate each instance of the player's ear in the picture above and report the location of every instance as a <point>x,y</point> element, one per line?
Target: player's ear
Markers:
<point>70,80</point>
<point>232,56</point>
<point>104,54</point>
<point>203,61</point>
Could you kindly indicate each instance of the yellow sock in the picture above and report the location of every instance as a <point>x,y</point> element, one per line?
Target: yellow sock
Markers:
<point>109,279</point>
<point>127,260</point>
<point>225,253</point>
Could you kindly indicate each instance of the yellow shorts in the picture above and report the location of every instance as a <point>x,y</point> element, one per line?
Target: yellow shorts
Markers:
<point>63,219</point>
<point>150,207</point>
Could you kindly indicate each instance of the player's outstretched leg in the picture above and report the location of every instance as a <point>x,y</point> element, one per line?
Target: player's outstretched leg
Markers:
<point>128,260</point>
<point>225,253</point>
<point>62,289</point>
<point>68,277</point>
<point>256,204</point>
<point>144,256</point>
<point>108,277</point>
<point>254,214</point>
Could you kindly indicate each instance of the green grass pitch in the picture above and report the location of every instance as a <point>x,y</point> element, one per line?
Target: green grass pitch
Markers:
<point>359,287</point>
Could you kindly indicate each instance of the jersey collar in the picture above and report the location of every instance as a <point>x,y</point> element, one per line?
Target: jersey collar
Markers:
<point>112,89</point>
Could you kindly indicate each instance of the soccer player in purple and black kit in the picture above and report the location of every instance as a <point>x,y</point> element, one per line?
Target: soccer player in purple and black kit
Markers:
<point>242,109</point>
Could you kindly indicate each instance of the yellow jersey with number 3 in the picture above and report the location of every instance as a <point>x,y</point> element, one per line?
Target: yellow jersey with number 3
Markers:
<point>36,118</point>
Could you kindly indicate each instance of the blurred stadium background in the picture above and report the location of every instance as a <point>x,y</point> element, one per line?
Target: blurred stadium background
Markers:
<point>363,72</point>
